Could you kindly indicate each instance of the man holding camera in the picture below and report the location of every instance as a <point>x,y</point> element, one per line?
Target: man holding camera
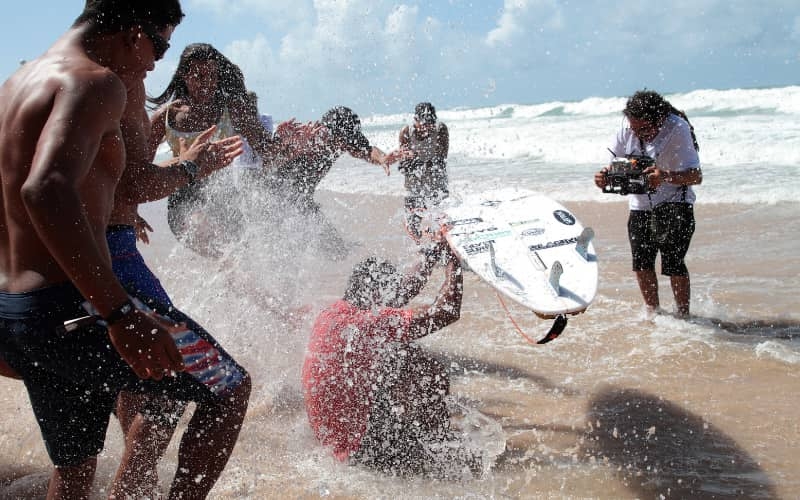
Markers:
<point>656,163</point>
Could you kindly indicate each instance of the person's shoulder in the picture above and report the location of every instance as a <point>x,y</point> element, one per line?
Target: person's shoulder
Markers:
<point>99,83</point>
<point>676,122</point>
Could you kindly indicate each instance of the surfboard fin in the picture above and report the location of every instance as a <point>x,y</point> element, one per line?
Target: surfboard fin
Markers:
<point>556,270</point>
<point>558,326</point>
<point>582,243</point>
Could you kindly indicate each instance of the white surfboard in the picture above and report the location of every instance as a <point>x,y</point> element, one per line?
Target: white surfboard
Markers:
<point>527,246</point>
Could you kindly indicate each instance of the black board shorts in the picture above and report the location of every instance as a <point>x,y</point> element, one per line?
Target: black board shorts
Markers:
<point>667,229</point>
<point>73,378</point>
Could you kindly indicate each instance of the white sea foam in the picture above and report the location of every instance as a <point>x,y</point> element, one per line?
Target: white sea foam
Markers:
<point>748,140</point>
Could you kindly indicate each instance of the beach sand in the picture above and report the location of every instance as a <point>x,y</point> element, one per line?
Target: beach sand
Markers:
<point>620,406</point>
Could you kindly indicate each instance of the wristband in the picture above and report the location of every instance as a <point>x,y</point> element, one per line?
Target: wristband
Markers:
<point>119,312</point>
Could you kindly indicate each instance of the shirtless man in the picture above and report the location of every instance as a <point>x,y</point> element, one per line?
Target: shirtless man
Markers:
<point>61,157</point>
<point>423,153</point>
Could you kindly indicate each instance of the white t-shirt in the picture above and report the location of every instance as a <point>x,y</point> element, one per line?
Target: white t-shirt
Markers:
<point>673,151</point>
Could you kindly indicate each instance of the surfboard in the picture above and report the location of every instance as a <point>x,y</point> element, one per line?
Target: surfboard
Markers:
<point>528,247</point>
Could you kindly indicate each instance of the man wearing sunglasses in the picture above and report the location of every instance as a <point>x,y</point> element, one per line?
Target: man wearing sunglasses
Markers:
<point>68,327</point>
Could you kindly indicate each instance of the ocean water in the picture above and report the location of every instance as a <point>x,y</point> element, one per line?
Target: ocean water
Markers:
<point>622,405</point>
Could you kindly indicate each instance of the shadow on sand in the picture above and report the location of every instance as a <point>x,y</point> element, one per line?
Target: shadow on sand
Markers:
<point>660,449</point>
<point>656,448</point>
<point>23,481</point>
<point>781,329</point>
<point>459,366</point>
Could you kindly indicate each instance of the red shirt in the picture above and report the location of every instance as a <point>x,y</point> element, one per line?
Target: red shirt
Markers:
<point>341,371</point>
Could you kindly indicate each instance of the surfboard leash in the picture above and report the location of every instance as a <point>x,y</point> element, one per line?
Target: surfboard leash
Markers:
<point>559,325</point>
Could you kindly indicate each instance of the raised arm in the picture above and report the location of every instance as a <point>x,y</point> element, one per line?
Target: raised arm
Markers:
<point>246,122</point>
<point>446,309</point>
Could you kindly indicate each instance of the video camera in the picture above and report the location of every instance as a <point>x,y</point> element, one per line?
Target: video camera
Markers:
<point>626,175</point>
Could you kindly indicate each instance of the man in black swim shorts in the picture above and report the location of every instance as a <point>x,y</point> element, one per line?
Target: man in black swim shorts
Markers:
<point>67,325</point>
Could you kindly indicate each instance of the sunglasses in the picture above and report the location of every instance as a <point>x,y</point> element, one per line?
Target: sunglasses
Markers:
<point>160,44</point>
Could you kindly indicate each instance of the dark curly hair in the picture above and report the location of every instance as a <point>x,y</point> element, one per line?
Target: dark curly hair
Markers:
<point>374,283</point>
<point>651,106</point>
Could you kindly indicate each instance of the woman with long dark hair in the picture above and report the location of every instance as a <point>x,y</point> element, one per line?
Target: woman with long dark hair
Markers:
<point>206,90</point>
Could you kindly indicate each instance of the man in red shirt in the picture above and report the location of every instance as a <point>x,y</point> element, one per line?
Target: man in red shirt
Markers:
<point>371,394</point>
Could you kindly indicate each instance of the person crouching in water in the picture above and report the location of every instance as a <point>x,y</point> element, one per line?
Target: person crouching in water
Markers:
<point>373,395</point>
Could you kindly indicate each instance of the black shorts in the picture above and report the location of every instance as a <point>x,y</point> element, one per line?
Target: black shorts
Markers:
<point>667,229</point>
<point>408,416</point>
<point>73,378</point>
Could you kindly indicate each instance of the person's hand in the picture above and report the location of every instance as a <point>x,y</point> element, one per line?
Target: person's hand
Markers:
<point>198,147</point>
<point>298,139</point>
<point>141,227</point>
<point>601,178</point>
<point>655,176</point>
<point>144,340</point>
<point>209,155</point>
<point>399,154</point>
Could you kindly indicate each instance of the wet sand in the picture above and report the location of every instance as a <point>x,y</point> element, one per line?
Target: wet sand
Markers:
<point>620,406</point>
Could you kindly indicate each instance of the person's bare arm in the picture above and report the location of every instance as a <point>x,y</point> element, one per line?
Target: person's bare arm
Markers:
<point>158,128</point>
<point>84,114</point>
<point>403,152</point>
<point>376,156</point>
<point>69,143</point>
<point>657,176</point>
<point>443,142</point>
<point>244,115</point>
<point>144,181</point>
<point>446,309</point>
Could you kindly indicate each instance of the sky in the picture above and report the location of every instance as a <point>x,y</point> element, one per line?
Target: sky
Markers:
<point>383,56</point>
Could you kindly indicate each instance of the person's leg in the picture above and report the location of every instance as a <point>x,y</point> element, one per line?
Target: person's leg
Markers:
<point>420,388</point>
<point>147,433</point>
<point>148,423</point>
<point>679,225</point>
<point>7,371</point>
<point>219,387</point>
<point>682,293</point>
<point>648,285</point>
<point>72,482</point>
<point>208,443</point>
<point>72,380</point>
<point>643,255</point>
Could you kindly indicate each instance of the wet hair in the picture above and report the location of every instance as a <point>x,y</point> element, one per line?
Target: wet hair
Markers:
<point>230,80</point>
<point>651,106</point>
<point>114,16</point>
<point>374,283</point>
<point>424,112</point>
<point>345,125</point>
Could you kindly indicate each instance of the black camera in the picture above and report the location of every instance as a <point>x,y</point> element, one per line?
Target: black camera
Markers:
<point>626,175</point>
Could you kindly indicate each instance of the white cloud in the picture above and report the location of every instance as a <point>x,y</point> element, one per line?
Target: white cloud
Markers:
<point>383,54</point>
<point>520,18</point>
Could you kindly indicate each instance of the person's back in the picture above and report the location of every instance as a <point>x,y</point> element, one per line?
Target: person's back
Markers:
<point>38,99</point>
